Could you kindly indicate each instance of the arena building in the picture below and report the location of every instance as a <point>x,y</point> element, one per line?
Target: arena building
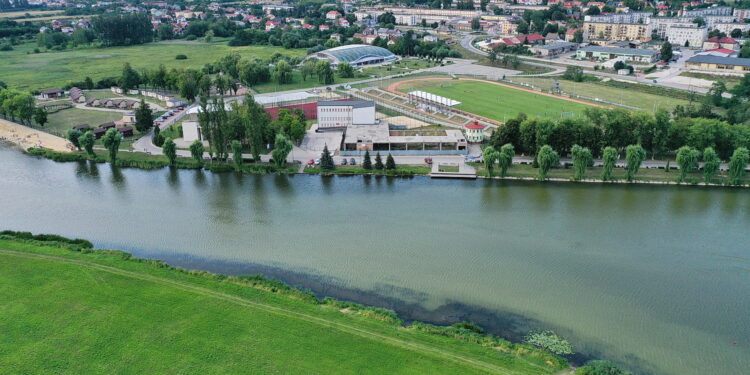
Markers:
<point>356,55</point>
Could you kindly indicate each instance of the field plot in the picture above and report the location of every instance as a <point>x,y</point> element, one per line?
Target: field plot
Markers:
<point>54,69</point>
<point>494,101</point>
<point>28,13</point>
<point>642,100</point>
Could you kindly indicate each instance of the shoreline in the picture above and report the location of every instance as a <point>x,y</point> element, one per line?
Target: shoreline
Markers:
<point>184,163</point>
<point>276,286</point>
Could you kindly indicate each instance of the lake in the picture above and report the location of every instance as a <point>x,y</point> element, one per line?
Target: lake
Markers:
<point>653,277</point>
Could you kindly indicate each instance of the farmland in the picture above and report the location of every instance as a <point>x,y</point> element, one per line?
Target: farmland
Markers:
<point>494,101</point>
<point>127,316</point>
<point>23,69</point>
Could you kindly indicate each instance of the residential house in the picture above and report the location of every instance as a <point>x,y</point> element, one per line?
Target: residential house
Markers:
<point>333,14</point>
<point>52,94</point>
<point>719,42</point>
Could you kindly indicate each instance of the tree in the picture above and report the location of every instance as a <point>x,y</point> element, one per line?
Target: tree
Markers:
<point>582,158</point>
<point>666,51</point>
<point>129,78</point>
<point>547,158</point>
<point>687,159</point>
<point>157,139</point>
<point>609,157</point>
<point>574,73</point>
<point>324,72</point>
<point>737,164</point>
<point>505,158</point>
<point>73,136</point>
<point>742,89</point>
<point>170,150</point>
<point>87,142</point>
<point>601,368</point>
<point>326,160</point>
<point>578,36</point>
<point>282,146</point>
<point>111,141</point>
<point>634,155</point>
<point>378,162</point>
<point>716,93</point>
<point>549,341</point>
<point>489,155</point>
<point>711,163</point>
<point>345,70</point>
<point>366,162</point>
<point>40,116</point>
<point>475,24</point>
<point>390,164</point>
<point>196,150</point>
<point>282,72</point>
<point>165,32</point>
<point>593,11</point>
<point>144,118</point>
<point>492,57</point>
<point>237,154</point>
<point>307,69</point>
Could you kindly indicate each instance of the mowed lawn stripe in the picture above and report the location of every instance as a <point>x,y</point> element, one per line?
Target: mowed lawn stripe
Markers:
<point>108,319</point>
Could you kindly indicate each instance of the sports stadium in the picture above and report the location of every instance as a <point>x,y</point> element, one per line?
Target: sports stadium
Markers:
<point>356,55</point>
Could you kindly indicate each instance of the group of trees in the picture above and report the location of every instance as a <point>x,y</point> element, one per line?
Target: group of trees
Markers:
<point>123,29</point>
<point>17,105</point>
<point>657,133</point>
<point>244,126</point>
<point>611,133</point>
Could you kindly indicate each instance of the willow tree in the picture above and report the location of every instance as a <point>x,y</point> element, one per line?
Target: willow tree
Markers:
<point>582,158</point>
<point>170,150</point>
<point>505,158</point>
<point>237,154</point>
<point>687,159</point>
<point>282,146</point>
<point>609,157</point>
<point>711,163</point>
<point>737,165</point>
<point>111,141</point>
<point>196,150</point>
<point>87,142</point>
<point>489,155</point>
<point>634,155</point>
<point>547,158</point>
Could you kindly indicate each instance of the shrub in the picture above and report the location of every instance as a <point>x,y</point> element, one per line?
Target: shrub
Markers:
<point>48,238</point>
<point>180,57</point>
<point>549,341</point>
<point>191,37</point>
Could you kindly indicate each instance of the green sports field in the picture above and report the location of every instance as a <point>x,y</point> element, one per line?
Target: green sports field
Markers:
<point>23,69</point>
<point>497,102</point>
<point>67,312</point>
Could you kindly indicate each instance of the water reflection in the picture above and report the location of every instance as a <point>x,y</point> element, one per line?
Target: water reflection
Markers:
<point>118,179</point>
<point>173,178</point>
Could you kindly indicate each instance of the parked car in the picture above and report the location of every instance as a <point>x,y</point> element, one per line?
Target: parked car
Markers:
<point>473,158</point>
<point>180,108</point>
<point>344,161</point>
<point>317,161</point>
<point>352,161</point>
<point>310,162</point>
<point>428,160</point>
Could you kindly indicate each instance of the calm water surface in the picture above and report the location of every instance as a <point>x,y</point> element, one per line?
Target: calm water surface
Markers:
<point>657,278</point>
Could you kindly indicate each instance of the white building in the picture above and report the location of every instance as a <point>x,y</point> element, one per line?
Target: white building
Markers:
<point>344,113</point>
<point>693,36</point>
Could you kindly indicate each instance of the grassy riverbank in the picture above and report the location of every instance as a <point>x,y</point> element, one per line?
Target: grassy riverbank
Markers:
<point>526,171</point>
<point>70,309</point>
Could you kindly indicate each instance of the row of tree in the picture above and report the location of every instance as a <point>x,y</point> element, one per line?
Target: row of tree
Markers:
<point>688,159</point>
<point>19,105</point>
<point>658,133</point>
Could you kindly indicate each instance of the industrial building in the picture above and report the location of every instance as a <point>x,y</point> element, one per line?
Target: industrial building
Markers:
<point>380,138</point>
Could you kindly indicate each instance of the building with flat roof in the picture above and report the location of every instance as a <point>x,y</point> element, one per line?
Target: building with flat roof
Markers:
<point>356,55</point>
<point>607,53</point>
<point>554,49</point>
<point>729,65</point>
<point>337,114</point>
<point>379,138</point>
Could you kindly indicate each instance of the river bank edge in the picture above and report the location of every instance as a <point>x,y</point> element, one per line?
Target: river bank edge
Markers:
<point>153,162</point>
<point>466,332</point>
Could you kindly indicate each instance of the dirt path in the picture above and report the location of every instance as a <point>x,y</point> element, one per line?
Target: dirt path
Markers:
<point>425,349</point>
<point>26,137</point>
<point>394,89</point>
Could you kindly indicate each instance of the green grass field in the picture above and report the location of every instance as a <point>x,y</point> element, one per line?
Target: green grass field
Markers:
<point>23,69</point>
<point>67,312</point>
<point>497,102</point>
<point>61,121</point>
<point>644,101</point>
